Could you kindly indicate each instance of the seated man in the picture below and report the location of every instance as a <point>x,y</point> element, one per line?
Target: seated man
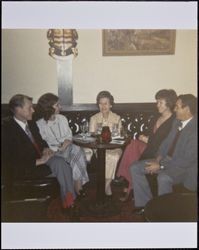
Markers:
<point>177,157</point>
<point>26,155</point>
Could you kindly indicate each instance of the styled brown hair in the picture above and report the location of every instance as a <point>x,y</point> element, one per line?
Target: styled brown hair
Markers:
<point>105,94</point>
<point>169,95</point>
<point>44,108</point>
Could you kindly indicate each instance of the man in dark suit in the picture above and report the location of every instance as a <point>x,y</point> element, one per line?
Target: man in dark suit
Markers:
<point>26,155</point>
<point>177,156</point>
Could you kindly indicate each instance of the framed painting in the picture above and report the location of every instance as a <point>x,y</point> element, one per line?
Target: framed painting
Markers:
<point>138,42</point>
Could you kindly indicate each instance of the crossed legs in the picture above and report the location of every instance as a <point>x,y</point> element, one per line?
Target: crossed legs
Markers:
<point>63,172</point>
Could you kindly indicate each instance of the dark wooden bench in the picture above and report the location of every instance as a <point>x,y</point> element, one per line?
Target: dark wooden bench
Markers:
<point>136,117</point>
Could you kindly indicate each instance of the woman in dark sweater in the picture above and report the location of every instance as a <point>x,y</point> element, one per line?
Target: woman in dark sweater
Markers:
<point>146,146</point>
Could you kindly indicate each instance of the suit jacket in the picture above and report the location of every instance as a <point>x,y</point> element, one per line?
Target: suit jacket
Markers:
<point>18,153</point>
<point>155,139</point>
<point>183,163</point>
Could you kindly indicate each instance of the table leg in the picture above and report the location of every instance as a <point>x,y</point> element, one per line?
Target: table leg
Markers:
<point>101,207</point>
<point>100,195</point>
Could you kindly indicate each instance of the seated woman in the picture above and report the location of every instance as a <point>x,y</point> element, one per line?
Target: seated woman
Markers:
<point>146,146</point>
<point>107,118</point>
<point>55,130</point>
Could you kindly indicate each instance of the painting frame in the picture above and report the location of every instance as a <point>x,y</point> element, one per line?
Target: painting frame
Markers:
<point>138,42</point>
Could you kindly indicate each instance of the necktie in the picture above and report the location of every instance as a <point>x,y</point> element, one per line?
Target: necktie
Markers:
<point>29,134</point>
<point>173,144</point>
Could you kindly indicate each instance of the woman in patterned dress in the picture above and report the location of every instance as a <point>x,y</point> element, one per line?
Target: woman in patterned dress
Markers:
<point>106,117</point>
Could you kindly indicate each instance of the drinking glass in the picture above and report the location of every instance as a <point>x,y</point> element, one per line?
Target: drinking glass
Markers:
<point>115,130</point>
<point>99,128</point>
<point>84,129</point>
<point>124,131</point>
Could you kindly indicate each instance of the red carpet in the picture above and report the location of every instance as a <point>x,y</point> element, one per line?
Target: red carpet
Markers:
<point>117,211</point>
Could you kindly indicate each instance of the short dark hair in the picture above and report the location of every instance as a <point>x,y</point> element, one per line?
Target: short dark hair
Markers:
<point>18,100</point>
<point>169,95</point>
<point>44,108</point>
<point>190,101</point>
<point>105,94</point>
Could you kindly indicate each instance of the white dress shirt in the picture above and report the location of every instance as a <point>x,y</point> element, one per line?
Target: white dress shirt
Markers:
<point>184,123</point>
<point>21,124</point>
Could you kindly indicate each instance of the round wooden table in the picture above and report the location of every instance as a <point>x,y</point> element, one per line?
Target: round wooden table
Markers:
<point>101,201</point>
<point>173,207</point>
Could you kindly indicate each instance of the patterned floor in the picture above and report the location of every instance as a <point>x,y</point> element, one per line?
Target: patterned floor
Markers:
<point>115,210</point>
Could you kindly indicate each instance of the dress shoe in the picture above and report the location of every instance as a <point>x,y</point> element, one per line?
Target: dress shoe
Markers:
<point>109,197</point>
<point>138,211</point>
<point>81,195</point>
<point>125,197</point>
<point>118,181</point>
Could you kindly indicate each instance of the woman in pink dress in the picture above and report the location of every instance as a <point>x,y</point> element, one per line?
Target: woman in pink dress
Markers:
<point>146,146</point>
